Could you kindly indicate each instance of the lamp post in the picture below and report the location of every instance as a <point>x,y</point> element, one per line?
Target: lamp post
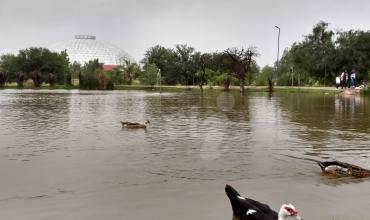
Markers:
<point>277,57</point>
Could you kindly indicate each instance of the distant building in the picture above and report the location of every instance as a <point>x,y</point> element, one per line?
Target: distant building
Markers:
<point>84,48</point>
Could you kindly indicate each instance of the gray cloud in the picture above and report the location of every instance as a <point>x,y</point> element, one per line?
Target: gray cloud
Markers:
<point>207,25</point>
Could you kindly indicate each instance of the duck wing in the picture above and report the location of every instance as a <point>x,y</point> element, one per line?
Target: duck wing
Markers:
<point>249,209</point>
<point>325,164</point>
<point>133,123</point>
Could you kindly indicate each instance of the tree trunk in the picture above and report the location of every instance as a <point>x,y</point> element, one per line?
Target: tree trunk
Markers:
<point>270,84</point>
<point>201,87</point>
<point>37,78</point>
<point>20,80</point>
<point>241,81</point>
<point>241,86</point>
<point>51,79</point>
<point>226,84</point>
<point>69,80</point>
<point>3,79</point>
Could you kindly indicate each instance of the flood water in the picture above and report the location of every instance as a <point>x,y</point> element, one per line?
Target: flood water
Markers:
<point>64,155</point>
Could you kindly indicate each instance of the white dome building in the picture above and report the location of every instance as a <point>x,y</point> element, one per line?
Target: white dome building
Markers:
<point>84,48</point>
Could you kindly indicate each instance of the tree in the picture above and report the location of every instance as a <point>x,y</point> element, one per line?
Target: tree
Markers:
<point>116,75</point>
<point>166,60</point>
<point>186,63</point>
<point>35,63</point>
<point>66,75</point>
<point>150,75</point>
<point>11,65</point>
<point>353,50</point>
<point>75,72</point>
<point>223,67</point>
<point>314,56</point>
<point>130,71</point>
<point>254,70</point>
<point>203,63</point>
<point>264,75</point>
<point>3,78</point>
<point>241,60</point>
<point>20,78</point>
<point>37,78</point>
<point>51,79</point>
<point>91,75</point>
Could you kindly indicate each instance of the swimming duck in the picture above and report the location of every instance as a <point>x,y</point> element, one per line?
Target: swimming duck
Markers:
<point>249,209</point>
<point>135,124</point>
<point>341,169</point>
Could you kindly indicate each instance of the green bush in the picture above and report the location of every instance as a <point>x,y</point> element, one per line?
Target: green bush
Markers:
<point>89,78</point>
<point>150,75</point>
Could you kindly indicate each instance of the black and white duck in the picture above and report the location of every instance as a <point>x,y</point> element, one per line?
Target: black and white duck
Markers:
<point>249,209</point>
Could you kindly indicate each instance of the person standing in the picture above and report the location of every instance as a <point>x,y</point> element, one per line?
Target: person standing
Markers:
<point>342,79</point>
<point>337,81</point>
<point>346,79</point>
<point>353,78</point>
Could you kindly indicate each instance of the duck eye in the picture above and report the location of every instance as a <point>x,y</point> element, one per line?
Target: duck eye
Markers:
<point>291,211</point>
<point>288,209</point>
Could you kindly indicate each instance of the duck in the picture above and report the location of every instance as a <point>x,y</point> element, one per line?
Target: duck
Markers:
<point>135,124</point>
<point>341,169</point>
<point>249,209</point>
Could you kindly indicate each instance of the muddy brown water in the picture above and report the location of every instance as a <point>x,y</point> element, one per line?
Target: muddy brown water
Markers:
<point>64,155</point>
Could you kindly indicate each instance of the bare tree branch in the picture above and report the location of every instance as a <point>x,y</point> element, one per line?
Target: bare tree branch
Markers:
<point>242,60</point>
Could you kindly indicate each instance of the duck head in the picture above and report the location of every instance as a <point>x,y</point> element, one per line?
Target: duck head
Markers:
<point>288,210</point>
<point>147,122</point>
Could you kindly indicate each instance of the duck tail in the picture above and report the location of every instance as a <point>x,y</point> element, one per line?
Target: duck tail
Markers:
<point>231,192</point>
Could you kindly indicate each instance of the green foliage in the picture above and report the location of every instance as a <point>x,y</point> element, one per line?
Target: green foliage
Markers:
<point>130,71</point>
<point>75,72</point>
<point>37,64</point>
<point>116,75</point>
<point>211,77</point>
<point>91,74</point>
<point>178,66</point>
<point>37,78</point>
<point>225,79</point>
<point>315,60</point>
<point>242,61</point>
<point>10,64</point>
<point>261,79</point>
<point>166,60</point>
<point>353,51</point>
<point>318,58</point>
<point>3,78</point>
<point>125,73</point>
<point>185,66</point>
<point>254,70</point>
<point>150,75</point>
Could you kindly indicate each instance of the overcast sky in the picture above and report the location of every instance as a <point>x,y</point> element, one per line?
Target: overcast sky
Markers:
<point>206,25</point>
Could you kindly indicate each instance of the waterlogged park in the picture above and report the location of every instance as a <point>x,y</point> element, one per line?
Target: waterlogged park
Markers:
<point>187,135</point>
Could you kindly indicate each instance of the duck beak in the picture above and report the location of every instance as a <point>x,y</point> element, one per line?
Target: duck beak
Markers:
<point>298,217</point>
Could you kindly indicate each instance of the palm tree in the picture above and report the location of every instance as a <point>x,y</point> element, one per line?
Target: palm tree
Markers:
<point>130,70</point>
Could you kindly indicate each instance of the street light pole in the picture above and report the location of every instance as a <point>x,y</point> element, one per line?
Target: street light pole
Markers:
<point>277,57</point>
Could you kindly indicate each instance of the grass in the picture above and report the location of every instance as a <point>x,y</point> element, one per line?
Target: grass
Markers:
<point>43,86</point>
<point>178,88</point>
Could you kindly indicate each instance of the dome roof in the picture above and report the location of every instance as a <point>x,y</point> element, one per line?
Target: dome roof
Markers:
<point>85,48</point>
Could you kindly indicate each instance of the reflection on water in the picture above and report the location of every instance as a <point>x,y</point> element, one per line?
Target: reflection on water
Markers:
<point>330,126</point>
<point>219,135</point>
<point>72,141</point>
